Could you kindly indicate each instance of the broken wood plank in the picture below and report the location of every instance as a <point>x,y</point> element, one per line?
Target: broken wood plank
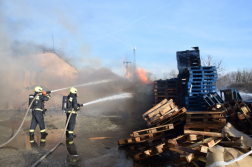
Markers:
<point>207,140</point>
<point>211,134</point>
<point>155,107</point>
<point>177,150</point>
<point>192,137</point>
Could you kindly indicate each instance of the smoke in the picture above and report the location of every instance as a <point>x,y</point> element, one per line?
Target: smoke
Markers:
<point>25,64</point>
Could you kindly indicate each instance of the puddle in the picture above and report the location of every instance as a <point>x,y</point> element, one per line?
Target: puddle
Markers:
<point>14,124</point>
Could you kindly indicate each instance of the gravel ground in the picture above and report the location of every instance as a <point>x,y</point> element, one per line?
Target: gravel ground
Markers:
<point>94,121</point>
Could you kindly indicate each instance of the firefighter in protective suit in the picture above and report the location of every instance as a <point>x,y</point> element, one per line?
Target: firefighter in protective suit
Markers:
<point>38,111</point>
<point>72,104</point>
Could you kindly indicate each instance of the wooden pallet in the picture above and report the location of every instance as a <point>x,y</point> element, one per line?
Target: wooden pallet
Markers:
<point>154,108</point>
<point>157,119</point>
<point>161,111</point>
<point>178,120</point>
<point>168,96</point>
<point>206,127</point>
<point>151,152</point>
<point>142,138</point>
<point>152,130</point>
<point>172,117</point>
<point>205,117</point>
<point>151,143</point>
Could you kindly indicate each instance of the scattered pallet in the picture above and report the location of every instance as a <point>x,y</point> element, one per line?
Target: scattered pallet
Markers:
<point>151,152</point>
<point>173,117</point>
<point>143,138</point>
<point>152,130</point>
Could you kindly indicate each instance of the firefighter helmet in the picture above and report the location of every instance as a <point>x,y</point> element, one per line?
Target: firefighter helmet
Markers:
<point>38,89</point>
<point>73,90</point>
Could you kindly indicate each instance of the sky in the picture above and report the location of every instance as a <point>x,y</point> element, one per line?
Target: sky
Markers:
<point>103,33</point>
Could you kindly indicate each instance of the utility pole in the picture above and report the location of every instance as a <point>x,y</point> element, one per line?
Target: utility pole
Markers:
<point>134,50</point>
<point>127,67</point>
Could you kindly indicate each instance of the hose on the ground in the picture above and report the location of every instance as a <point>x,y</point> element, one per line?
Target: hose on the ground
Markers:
<point>220,163</point>
<point>21,123</point>
<point>50,151</point>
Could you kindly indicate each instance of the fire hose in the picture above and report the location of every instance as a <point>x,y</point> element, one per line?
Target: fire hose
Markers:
<point>20,125</point>
<point>50,151</point>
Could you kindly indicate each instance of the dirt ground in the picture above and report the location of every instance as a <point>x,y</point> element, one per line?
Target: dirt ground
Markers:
<point>115,120</point>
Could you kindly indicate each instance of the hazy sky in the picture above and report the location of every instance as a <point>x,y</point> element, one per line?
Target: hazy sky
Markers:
<point>102,33</point>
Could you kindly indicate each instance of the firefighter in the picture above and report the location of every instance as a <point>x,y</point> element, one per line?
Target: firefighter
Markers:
<point>72,105</point>
<point>38,111</point>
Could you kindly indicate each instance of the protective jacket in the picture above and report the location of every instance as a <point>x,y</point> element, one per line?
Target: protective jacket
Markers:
<point>72,103</point>
<point>38,104</point>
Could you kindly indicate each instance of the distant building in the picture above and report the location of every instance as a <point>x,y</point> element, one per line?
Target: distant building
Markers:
<point>45,69</point>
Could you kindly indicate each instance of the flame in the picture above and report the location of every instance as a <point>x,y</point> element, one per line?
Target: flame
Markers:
<point>141,73</point>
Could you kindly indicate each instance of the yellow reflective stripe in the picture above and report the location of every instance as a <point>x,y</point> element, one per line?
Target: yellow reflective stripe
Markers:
<point>74,112</point>
<point>31,141</point>
<point>48,96</point>
<point>37,98</point>
<point>71,99</point>
<point>43,140</point>
<point>31,130</point>
<point>38,109</point>
<point>42,130</point>
<point>70,131</point>
<point>71,142</point>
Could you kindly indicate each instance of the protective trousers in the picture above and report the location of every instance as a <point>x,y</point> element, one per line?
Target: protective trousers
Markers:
<point>37,118</point>
<point>71,124</point>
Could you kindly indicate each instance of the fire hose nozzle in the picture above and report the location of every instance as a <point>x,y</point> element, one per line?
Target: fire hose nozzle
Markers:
<point>80,105</point>
<point>48,92</point>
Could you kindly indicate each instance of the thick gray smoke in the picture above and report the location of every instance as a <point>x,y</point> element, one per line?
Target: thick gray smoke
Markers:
<point>24,65</point>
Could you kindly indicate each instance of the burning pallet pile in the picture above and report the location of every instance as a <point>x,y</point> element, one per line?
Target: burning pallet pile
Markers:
<point>202,130</point>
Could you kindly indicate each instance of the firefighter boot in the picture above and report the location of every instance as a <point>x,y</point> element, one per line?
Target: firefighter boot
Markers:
<point>31,134</point>
<point>71,135</point>
<point>44,134</point>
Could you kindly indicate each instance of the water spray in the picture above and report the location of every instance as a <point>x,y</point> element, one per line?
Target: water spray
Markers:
<point>115,97</point>
<point>86,84</point>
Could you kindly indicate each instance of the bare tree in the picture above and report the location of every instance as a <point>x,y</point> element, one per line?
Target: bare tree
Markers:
<point>173,73</point>
<point>210,61</point>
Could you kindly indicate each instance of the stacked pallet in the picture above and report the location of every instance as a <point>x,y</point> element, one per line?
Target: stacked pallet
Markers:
<point>166,89</point>
<point>163,113</point>
<point>205,123</point>
<point>188,58</point>
<point>201,131</point>
<point>196,81</point>
<point>152,141</point>
<point>211,99</point>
